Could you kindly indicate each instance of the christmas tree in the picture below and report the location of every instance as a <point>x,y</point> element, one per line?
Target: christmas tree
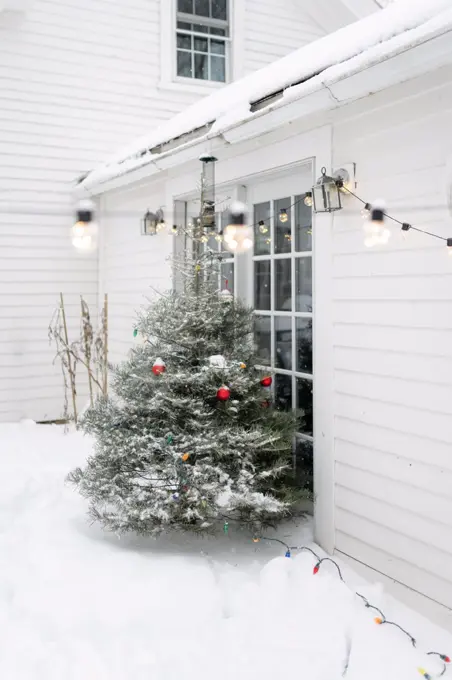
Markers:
<point>190,437</point>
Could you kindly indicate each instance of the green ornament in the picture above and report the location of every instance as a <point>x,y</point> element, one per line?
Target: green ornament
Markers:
<point>135,332</point>
<point>169,439</point>
<point>226,527</point>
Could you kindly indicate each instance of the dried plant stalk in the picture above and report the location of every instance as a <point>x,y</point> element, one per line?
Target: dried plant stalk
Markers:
<point>71,366</point>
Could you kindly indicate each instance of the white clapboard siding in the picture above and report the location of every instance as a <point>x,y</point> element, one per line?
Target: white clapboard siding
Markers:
<point>392,311</point>
<point>133,266</point>
<point>78,79</point>
<point>271,34</point>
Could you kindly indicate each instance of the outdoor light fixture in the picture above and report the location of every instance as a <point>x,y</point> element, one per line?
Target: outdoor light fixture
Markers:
<point>238,235</point>
<point>326,195</point>
<point>84,231</point>
<point>152,223</point>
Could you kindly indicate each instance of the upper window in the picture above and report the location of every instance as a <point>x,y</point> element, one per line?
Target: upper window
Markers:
<point>202,39</point>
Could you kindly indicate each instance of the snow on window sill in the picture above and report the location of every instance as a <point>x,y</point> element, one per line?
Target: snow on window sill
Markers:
<point>189,85</point>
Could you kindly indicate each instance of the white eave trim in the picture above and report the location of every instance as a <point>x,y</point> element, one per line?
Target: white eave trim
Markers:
<point>406,64</point>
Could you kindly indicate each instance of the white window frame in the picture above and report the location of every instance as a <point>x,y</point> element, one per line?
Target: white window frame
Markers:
<point>169,80</point>
<point>272,188</point>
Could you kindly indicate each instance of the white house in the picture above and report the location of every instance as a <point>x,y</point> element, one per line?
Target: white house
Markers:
<point>78,78</point>
<point>374,98</point>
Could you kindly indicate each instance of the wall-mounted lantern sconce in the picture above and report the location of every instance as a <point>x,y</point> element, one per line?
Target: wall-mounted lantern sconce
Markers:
<point>152,223</point>
<point>326,194</point>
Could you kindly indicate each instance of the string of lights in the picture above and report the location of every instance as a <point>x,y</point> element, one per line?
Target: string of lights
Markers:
<point>380,620</point>
<point>376,213</point>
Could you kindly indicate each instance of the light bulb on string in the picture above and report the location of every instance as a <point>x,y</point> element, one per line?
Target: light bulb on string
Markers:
<point>174,229</point>
<point>219,237</point>
<point>376,232</point>
<point>84,231</point>
<point>263,227</point>
<point>283,216</point>
<point>238,235</point>
<point>204,238</point>
<point>449,246</point>
<point>365,212</point>
<point>308,199</point>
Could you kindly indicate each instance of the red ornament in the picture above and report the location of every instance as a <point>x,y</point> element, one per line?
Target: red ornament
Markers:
<point>267,381</point>
<point>316,569</point>
<point>223,393</point>
<point>266,404</point>
<point>446,659</point>
<point>158,367</point>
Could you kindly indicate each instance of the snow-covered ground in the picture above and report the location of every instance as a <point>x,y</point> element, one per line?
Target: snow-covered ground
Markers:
<point>78,604</point>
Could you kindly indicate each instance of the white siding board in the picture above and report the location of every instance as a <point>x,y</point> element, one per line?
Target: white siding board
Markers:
<point>378,554</point>
<point>427,534</point>
<point>392,343</point>
<point>403,445</point>
<point>399,486</point>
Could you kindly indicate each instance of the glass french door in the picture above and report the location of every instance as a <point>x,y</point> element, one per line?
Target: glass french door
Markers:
<point>282,298</point>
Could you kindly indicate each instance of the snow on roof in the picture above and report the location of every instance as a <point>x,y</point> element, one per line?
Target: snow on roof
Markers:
<point>402,23</point>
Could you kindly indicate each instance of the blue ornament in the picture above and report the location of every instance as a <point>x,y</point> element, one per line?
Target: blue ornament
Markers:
<point>176,496</point>
<point>287,553</point>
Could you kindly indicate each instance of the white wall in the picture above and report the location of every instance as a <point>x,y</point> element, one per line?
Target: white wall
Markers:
<point>383,327</point>
<point>392,310</point>
<point>79,78</point>
<point>133,266</point>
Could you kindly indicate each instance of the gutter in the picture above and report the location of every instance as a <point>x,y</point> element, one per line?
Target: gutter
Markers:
<point>367,73</point>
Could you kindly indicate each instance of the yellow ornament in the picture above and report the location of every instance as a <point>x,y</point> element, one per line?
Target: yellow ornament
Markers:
<point>255,540</point>
<point>242,365</point>
<point>185,457</point>
<point>198,268</point>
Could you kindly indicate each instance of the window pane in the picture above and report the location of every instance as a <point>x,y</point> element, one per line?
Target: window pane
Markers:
<point>218,69</point>
<point>227,276</point>
<point>304,345</point>
<point>200,28</point>
<point>283,285</point>
<point>303,284</point>
<point>283,342</point>
<point>201,67</point>
<point>185,6</point>
<point>184,41</point>
<point>262,337</point>
<point>304,405</point>
<point>202,8</point>
<point>201,44</point>
<point>262,285</point>
<point>217,46</point>
<point>184,64</point>
<point>303,225</point>
<point>283,392</point>
<point>219,9</point>
<point>217,31</point>
<point>262,232</point>
<point>304,468</point>
<point>283,229</point>
<point>184,26</point>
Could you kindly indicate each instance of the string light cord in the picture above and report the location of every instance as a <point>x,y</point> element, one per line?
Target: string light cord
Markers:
<point>380,620</point>
<point>406,226</point>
